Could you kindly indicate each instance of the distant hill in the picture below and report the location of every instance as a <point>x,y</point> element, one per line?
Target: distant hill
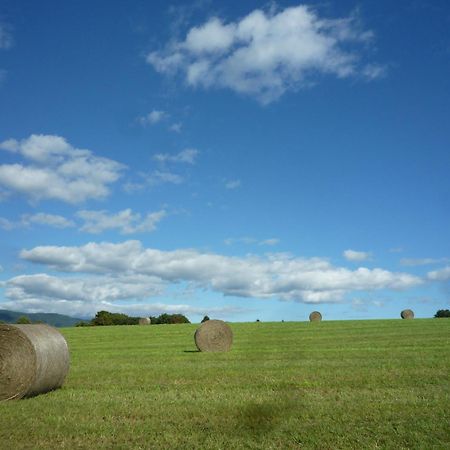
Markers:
<point>56,320</point>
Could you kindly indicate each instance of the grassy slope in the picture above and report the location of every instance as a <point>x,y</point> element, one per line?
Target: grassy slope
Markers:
<point>329,385</point>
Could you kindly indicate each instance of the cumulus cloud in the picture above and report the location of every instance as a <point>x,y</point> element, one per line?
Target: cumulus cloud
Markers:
<point>57,170</point>
<point>355,256</point>
<point>187,156</point>
<point>280,276</point>
<point>125,221</point>
<point>6,224</point>
<point>440,274</point>
<point>83,297</point>
<point>155,178</point>
<point>176,127</point>
<point>153,117</point>
<point>268,53</point>
<point>52,220</point>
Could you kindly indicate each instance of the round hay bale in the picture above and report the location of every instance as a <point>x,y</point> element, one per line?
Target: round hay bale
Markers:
<point>407,314</point>
<point>315,316</point>
<point>33,359</point>
<point>214,336</point>
<point>145,321</point>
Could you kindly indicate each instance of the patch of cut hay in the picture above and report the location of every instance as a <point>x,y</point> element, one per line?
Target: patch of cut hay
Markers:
<point>34,359</point>
<point>214,336</point>
<point>407,314</point>
<point>315,316</point>
<point>145,321</point>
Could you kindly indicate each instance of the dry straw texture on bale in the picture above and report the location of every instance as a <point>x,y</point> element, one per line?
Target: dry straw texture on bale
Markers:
<point>145,321</point>
<point>214,336</point>
<point>33,359</point>
<point>407,314</point>
<point>315,316</point>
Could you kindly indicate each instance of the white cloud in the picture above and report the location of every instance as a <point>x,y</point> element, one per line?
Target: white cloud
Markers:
<point>85,296</point>
<point>187,156</point>
<point>439,275</point>
<point>27,220</point>
<point>422,261</point>
<point>155,178</point>
<point>125,221</point>
<point>249,240</point>
<point>6,39</point>
<point>51,220</point>
<point>153,117</point>
<point>268,53</point>
<point>159,177</point>
<point>7,224</point>
<point>270,242</point>
<point>176,127</point>
<point>232,184</point>
<point>355,256</point>
<point>57,170</point>
<point>279,276</point>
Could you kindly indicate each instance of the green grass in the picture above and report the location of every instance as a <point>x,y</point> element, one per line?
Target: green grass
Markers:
<point>329,385</point>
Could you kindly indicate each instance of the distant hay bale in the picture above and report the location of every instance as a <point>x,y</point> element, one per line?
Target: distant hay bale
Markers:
<point>145,321</point>
<point>407,314</point>
<point>34,359</point>
<point>214,336</point>
<point>315,316</point>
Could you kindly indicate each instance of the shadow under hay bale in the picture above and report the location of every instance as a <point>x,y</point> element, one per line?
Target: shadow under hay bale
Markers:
<point>34,359</point>
<point>407,314</point>
<point>214,336</point>
<point>315,316</point>
<point>145,321</point>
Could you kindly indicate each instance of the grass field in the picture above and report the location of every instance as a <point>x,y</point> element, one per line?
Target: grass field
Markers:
<point>329,385</point>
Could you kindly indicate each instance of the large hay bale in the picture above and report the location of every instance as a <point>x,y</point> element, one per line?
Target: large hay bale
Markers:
<point>407,314</point>
<point>145,321</point>
<point>33,359</point>
<point>214,336</point>
<point>315,316</point>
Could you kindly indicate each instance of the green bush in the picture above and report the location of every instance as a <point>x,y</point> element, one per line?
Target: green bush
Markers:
<point>23,320</point>
<point>103,318</point>
<point>83,323</point>
<point>442,313</point>
<point>170,318</point>
<point>205,319</point>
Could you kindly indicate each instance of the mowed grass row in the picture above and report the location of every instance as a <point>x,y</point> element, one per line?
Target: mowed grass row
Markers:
<point>329,385</point>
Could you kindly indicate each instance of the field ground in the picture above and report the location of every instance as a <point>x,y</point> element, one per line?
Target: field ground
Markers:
<point>329,385</point>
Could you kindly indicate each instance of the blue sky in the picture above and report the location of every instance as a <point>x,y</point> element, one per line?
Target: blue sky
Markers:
<point>242,159</point>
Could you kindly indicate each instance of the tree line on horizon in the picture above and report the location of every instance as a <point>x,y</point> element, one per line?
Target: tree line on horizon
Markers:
<point>106,318</point>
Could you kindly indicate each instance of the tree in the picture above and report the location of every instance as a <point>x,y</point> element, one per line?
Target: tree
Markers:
<point>104,318</point>
<point>205,319</point>
<point>169,318</point>
<point>23,320</point>
<point>442,313</point>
